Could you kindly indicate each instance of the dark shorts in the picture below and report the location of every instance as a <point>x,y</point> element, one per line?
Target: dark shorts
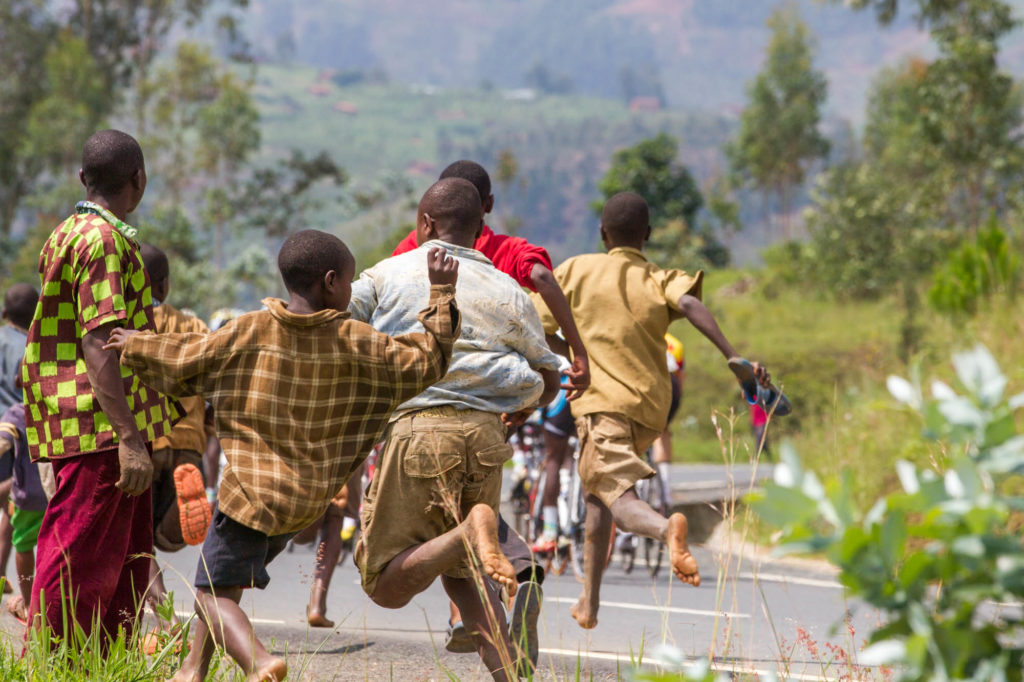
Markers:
<point>235,555</point>
<point>677,396</point>
<point>558,419</point>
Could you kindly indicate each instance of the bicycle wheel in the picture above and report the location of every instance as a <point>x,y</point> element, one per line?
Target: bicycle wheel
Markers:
<point>628,551</point>
<point>654,550</point>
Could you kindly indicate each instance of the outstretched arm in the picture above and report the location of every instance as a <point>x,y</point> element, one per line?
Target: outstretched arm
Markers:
<point>701,318</point>
<point>544,281</point>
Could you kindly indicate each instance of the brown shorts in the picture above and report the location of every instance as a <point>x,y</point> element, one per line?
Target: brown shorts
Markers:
<point>611,454</point>
<point>435,466</point>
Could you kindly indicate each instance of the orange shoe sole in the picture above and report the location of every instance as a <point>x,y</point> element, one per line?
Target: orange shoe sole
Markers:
<point>193,509</point>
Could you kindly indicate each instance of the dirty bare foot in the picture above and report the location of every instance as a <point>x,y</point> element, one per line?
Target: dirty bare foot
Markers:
<point>683,563</point>
<point>316,618</point>
<point>274,670</point>
<point>583,614</point>
<point>17,608</point>
<point>481,529</point>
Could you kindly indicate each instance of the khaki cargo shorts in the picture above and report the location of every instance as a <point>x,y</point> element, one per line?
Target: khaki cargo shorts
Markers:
<point>611,454</point>
<point>435,466</point>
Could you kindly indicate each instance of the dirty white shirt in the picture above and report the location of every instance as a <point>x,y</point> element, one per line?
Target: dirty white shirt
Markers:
<point>502,344</point>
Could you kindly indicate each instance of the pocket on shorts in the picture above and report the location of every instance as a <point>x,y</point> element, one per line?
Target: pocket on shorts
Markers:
<point>496,455</point>
<point>431,454</point>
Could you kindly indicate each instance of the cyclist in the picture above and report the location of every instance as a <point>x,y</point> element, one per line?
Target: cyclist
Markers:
<point>559,427</point>
<point>676,358</point>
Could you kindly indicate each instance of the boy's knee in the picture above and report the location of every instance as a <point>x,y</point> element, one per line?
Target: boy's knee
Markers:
<point>389,601</point>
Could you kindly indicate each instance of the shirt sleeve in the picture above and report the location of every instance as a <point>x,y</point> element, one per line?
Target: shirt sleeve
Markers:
<point>364,297</point>
<point>176,363</point>
<point>406,245</point>
<point>516,257</point>
<point>677,283</point>
<point>98,281</point>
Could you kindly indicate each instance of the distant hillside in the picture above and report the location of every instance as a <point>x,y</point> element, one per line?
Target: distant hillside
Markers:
<point>697,54</point>
<point>562,144</point>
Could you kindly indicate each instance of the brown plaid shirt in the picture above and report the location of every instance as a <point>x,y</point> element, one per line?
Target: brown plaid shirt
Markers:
<point>298,400</point>
<point>190,432</point>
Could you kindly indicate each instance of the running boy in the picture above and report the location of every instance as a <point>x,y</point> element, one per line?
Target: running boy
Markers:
<point>438,480</point>
<point>623,305</point>
<point>300,393</point>
<point>91,417</point>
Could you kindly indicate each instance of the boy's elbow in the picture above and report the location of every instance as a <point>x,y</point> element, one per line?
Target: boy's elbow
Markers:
<point>542,278</point>
<point>688,303</point>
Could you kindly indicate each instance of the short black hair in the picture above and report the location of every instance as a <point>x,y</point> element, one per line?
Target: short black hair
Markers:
<point>307,256</point>
<point>109,160</point>
<point>625,218</point>
<point>455,204</point>
<point>20,302</point>
<point>156,263</point>
<point>472,171</point>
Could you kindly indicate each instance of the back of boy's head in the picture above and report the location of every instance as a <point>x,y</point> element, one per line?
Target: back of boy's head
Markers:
<point>156,263</point>
<point>454,203</point>
<point>626,219</point>
<point>472,171</point>
<point>307,256</point>
<point>20,304</point>
<point>110,159</point>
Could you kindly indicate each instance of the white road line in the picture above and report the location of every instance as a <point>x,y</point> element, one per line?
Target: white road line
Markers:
<point>718,667</point>
<point>258,621</point>
<point>792,580</point>
<point>649,607</point>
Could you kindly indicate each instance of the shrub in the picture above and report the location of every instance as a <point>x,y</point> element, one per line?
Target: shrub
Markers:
<point>938,556</point>
<point>976,271</point>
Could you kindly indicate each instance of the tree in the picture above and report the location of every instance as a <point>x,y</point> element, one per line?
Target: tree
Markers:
<point>651,169</point>
<point>778,136</point>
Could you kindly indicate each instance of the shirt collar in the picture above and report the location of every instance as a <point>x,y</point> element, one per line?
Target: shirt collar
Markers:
<point>124,228</point>
<point>456,250</point>
<point>628,251</point>
<point>279,310</point>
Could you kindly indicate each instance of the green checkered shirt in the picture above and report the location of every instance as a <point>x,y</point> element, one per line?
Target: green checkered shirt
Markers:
<point>91,274</point>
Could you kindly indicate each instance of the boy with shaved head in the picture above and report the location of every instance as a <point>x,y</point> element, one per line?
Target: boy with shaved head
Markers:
<point>437,485</point>
<point>624,305</point>
<point>91,417</point>
<point>300,393</point>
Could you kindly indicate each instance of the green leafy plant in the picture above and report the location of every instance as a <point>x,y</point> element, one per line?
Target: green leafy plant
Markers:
<point>937,557</point>
<point>976,271</point>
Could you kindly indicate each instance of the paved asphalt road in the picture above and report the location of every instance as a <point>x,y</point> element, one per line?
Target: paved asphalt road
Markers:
<point>750,614</point>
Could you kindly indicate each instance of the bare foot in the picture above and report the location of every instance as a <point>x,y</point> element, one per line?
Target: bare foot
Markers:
<point>481,529</point>
<point>16,606</point>
<point>185,676</point>
<point>274,671</point>
<point>683,563</point>
<point>316,618</point>
<point>583,615</point>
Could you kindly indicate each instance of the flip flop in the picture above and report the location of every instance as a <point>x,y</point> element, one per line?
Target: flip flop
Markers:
<point>458,640</point>
<point>193,508</point>
<point>744,372</point>
<point>771,399</point>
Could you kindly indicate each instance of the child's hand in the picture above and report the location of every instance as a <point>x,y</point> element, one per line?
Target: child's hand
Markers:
<point>442,268</point>
<point>514,420</point>
<point>763,377</point>
<point>118,338</point>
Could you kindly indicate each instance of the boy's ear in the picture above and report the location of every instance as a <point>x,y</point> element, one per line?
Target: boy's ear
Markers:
<point>647,236</point>
<point>81,178</point>
<point>488,204</point>
<point>330,280</point>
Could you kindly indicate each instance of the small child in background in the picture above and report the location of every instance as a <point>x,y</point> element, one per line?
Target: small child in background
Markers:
<point>28,504</point>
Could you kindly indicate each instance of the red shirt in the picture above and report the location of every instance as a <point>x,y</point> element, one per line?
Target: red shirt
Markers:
<point>512,255</point>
